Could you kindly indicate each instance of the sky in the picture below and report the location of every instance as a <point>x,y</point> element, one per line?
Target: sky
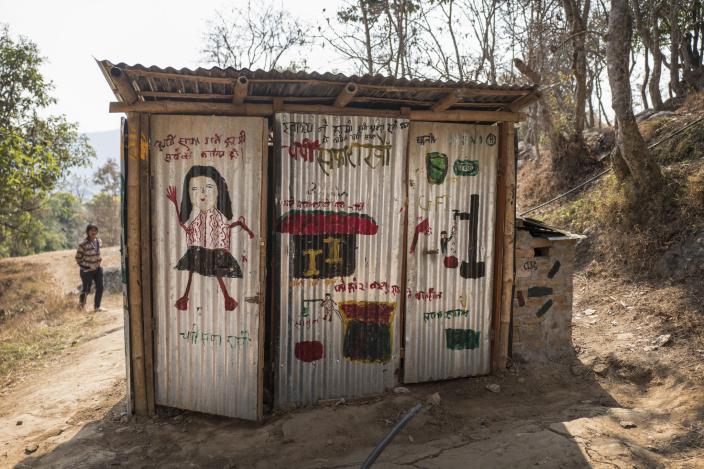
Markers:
<point>71,34</point>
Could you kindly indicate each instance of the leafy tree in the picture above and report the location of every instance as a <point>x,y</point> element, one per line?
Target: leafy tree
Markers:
<point>35,152</point>
<point>104,208</point>
<point>108,178</point>
<point>104,211</point>
<point>56,225</point>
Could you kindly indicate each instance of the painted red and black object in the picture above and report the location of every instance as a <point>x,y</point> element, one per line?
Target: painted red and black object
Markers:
<point>308,350</point>
<point>367,330</point>
<point>324,242</point>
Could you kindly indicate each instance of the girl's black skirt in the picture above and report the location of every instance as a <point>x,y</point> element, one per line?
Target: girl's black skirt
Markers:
<point>210,262</point>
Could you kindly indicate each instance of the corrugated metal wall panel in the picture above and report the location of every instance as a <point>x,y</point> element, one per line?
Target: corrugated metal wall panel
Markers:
<point>452,189</point>
<point>339,193</point>
<point>207,353</point>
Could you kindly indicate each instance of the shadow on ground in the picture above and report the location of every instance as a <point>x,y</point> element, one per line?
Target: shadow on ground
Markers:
<point>538,417</point>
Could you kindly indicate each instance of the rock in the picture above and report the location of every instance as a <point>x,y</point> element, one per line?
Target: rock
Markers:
<point>601,369</point>
<point>627,424</point>
<point>19,422</point>
<point>643,115</point>
<point>589,360</point>
<point>434,399</point>
<point>521,380</point>
<point>340,401</point>
<point>410,439</point>
<point>663,114</point>
<point>401,390</point>
<point>493,387</point>
<point>328,442</point>
<point>31,448</point>
<point>589,312</point>
<point>663,340</point>
<point>112,279</point>
<point>177,419</point>
<point>124,418</point>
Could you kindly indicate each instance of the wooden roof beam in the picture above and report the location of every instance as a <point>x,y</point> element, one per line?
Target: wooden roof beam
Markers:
<point>524,101</point>
<point>448,100</point>
<point>180,107</point>
<point>124,88</point>
<point>241,90</point>
<point>346,95</point>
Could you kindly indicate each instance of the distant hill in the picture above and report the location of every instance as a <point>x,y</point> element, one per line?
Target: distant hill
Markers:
<point>107,146</point>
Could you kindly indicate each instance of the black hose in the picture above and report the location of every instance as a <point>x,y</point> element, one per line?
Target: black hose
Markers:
<point>390,436</point>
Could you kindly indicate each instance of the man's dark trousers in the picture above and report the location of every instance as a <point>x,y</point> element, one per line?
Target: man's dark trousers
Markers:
<point>88,277</point>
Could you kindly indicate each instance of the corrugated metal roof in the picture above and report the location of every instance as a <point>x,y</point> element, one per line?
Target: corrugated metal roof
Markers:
<point>539,229</point>
<point>375,91</point>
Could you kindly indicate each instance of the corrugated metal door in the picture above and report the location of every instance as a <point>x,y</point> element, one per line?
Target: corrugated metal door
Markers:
<point>208,234</point>
<point>452,200</point>
<point>339,190</point>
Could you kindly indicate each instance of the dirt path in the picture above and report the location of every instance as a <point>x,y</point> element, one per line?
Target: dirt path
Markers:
<point>62,265</point>
<point>618,402</point>
<point>51,405</point>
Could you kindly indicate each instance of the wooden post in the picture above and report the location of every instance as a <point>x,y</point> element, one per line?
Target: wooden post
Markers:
<point>134,265</point>
<point>263,209</point>
<point>145,254</point>
<point>505,232</point>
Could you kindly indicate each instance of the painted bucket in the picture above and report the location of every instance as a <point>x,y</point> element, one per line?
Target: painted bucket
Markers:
<point>436,166</point>
<point>367,335</point>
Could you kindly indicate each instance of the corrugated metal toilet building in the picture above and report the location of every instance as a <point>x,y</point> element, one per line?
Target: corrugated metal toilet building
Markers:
<point>308,236</point>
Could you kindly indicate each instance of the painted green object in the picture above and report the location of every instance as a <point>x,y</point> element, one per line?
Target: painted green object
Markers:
<point>462,339</point>
<point>466,167</point>
<point>437,166</point>
<point>367,342</point>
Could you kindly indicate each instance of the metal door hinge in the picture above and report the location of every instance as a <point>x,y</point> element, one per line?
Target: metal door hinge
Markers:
<point>252,299</point>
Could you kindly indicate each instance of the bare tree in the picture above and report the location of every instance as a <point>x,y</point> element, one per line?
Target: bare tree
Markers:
<point>647,17</point>
<point>692,45</point>
<point>577,17</point>
<point>260,35</point>
<point>375,36</point>
<point>634,163</point>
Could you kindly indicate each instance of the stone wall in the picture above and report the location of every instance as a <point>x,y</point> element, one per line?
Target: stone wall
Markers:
<point>542,301</point>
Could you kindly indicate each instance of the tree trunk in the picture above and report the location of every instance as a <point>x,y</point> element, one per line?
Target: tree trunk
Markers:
<point>577,19</point>
<point>649,35</point>
<point>643,172</point>
<point>654,85</point>
<point>675,38</point>
<point>646,74</point>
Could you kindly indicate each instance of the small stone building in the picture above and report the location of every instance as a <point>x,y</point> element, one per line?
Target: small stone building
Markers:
<point>542,300</point>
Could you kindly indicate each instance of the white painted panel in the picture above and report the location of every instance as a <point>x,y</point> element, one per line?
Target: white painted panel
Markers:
<point>207,342</point>
<point>339,194</point>
<point>452,189</point>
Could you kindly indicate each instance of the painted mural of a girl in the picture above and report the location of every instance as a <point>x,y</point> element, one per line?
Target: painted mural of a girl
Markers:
<point>205,214</point>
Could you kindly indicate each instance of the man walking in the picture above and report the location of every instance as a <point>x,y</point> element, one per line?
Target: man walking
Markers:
<point>88,259</point>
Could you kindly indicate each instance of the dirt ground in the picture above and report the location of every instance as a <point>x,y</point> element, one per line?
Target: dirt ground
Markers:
<point>620,401</point>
